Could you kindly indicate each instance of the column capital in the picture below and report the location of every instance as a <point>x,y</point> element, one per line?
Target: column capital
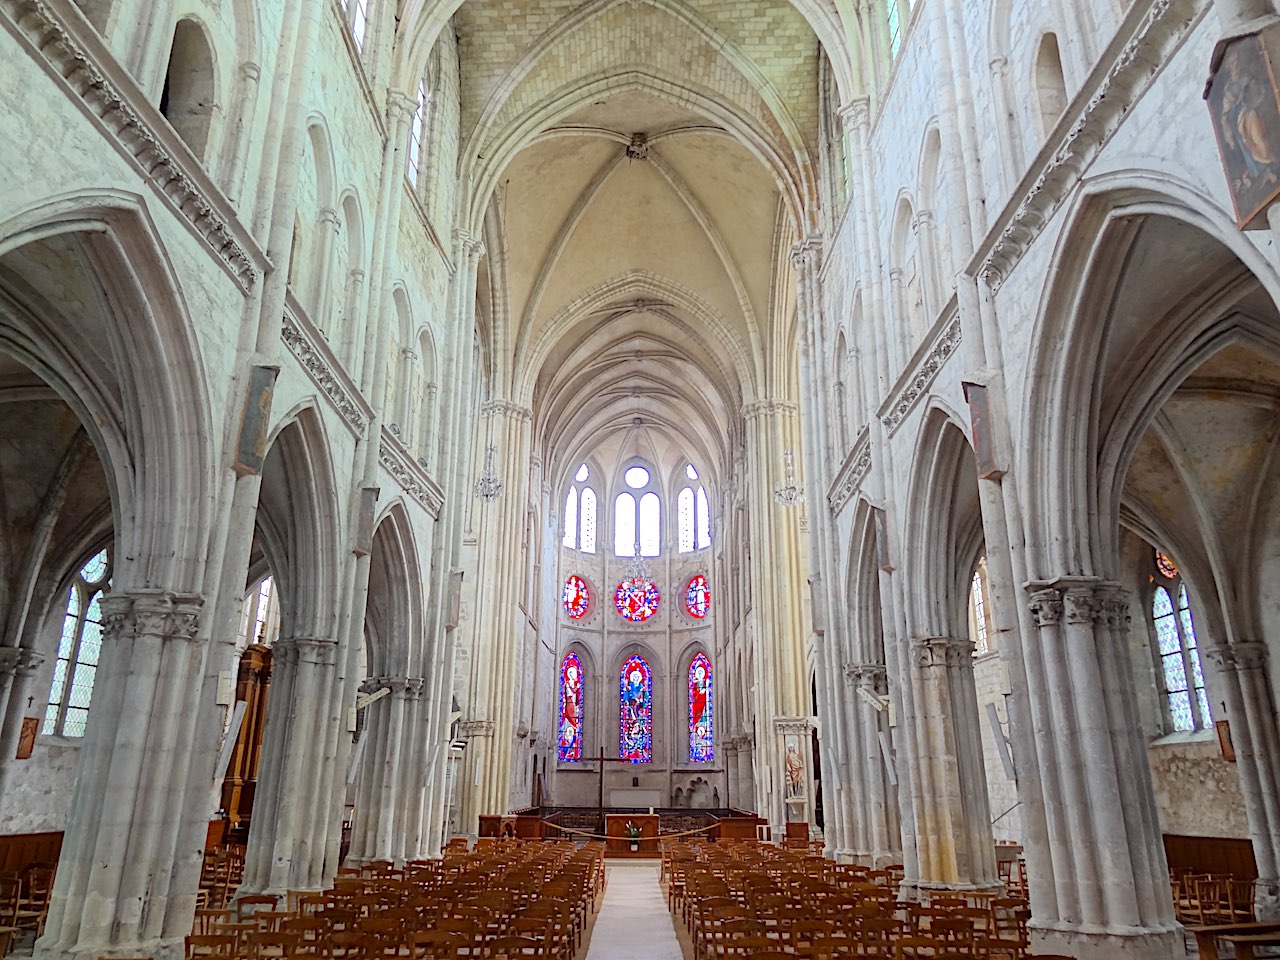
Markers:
<point>941,651</point>
<point>329,217</point>
<point>471,246</point>
<point>873,677</point>
<point>400,106</point>
<point>322,650</point>
<point>806,254</point>
<point>507,408</point>
<point>151,613</point>
<point>855,113</point>
<point>19,661</point>
<point>793,726</point>
<point>1239,656</point>
<point>474,729</point>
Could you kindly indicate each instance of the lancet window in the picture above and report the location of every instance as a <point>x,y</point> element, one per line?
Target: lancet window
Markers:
<point>1177,648</point>
<point>693,514</point>
<point>701,711</point>
<point>78,650</point>
<point>635,713</point>
<point>580,513</point>
<point>571,701</point>
<point>637,516</point>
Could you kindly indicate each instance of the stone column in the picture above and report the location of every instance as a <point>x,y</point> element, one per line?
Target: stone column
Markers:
<point>321,305</point>
<point>879,840</point>
<point>386,781</point>
<point>133,828</point>
<point>290,829</point>
<point>952,814</point>
<point>1250,704</point>
<point>17,666</point>
<point>1109,896</point>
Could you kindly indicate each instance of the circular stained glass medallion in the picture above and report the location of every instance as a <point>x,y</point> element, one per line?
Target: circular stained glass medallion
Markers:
<point>1166,566</point>
<point>697,597</point>
<point>637,599</point>
<point>577,597</point>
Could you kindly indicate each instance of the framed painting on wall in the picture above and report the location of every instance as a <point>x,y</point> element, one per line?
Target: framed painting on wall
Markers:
<point>1244,104</point>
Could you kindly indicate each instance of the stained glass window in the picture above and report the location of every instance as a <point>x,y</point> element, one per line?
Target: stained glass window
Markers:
<point>1178,650</point>
<point>576,597</point>
<point>78,651</point>
<point>1164,563</point>
<point>637,599</point>
<point>635,723</point>
<point>697,597</point>
<point>571,712</point>
<point>701,711</point>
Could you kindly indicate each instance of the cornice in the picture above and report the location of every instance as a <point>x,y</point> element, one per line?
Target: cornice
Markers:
<point>55,33</point>
<point>919,377</point>
<point>852,472</point>
<point>310,350</point>
<point>1147,39</point>
<point>410,474</point>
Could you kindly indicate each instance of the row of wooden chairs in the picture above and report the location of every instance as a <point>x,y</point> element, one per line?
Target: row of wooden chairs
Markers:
<point>755,900</point>
<point>524,899</point>
<point>25,896</point>
<point>1205,898</point>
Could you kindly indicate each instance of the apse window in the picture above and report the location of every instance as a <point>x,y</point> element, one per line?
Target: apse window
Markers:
<point>418,131</point>
<point>1177,648</point>
<point>580,513</point>
<point>78,650</point>
<point>693,512</point>
<point>637,517</point>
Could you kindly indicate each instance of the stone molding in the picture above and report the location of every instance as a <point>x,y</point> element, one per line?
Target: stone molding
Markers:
<point>19,661</point>
<point>793,726</point>
<point>472,729</point>
<point>1118,82</point>
<point>852,472</point>
<point>325,372</point>
<point>505,408</point>
<point>942,651</point>
<point>768,408</point>
<point>409,474</point>
<point>56,33</point>
<point>806,255</point>
<point>921,377</point>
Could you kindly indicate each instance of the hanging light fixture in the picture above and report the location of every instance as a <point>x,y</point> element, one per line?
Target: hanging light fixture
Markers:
<point>489,484</point>
<point>788,492</point>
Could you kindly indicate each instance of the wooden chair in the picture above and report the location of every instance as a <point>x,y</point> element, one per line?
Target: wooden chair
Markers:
<point>33,902</point>
<point>211,945</point>
<point>252,904</point>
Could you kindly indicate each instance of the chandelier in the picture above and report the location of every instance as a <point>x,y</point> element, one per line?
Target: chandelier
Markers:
<point>488,484</point>
<point>788,492</point>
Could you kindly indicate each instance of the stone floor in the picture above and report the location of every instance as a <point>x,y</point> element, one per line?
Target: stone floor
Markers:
<point>633,922</point>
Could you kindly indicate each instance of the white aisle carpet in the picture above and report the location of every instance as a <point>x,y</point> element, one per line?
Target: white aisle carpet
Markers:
<point>634,922</point>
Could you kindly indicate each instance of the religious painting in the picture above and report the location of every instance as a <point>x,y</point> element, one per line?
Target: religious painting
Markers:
<point>701,711</point>
<point>697,598</point>
<point>27,737</point>
<point>1246,119</point>
<point>635,717</point>
<point>793,768</point>
<point>570,750</point>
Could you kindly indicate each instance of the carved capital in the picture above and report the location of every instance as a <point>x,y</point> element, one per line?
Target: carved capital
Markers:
<point>472,729</point>
<point>322,651</point>
<point>855,114</point>
<point>155,614</point>
<point>1245,655</point>
<point>1046,608</point>
<point>806,255</point>
<point>1082,605</point>
<point>872,677</point>
<point>471,246</point>
<point>329,217</point>
<point>793,726</point>
<point>941,651</point>
<point>19,661</point>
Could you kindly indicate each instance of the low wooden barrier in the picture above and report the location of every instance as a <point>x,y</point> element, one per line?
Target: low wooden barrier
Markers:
<point>19,850</point>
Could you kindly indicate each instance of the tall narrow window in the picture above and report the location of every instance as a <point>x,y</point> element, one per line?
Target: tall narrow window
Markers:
<point>418,131</point>
<point>701,711</point>
<point>692,514</point>
<point>580,514</point>
<point>637,515</point>
<point>624,525</point>
<point>635,718</point>
<point>650,525</point>
<point>978,610</point>
<point>1178,649</point>
<point>188,97</point>
<point>895,29</point>
<point>570,749</point>
<point>1051,85</point>
<point>357,20</point>
<point>78,650</point>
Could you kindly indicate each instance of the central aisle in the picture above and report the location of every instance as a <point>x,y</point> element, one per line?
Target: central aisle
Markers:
<point>634,923</point>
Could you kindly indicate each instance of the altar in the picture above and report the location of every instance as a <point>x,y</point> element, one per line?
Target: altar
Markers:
<point>619,843</point>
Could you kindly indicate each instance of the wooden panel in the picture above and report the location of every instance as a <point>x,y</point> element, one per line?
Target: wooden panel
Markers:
<point>19,850</point>
<point>1210,855</point>
<point>620,843</point>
